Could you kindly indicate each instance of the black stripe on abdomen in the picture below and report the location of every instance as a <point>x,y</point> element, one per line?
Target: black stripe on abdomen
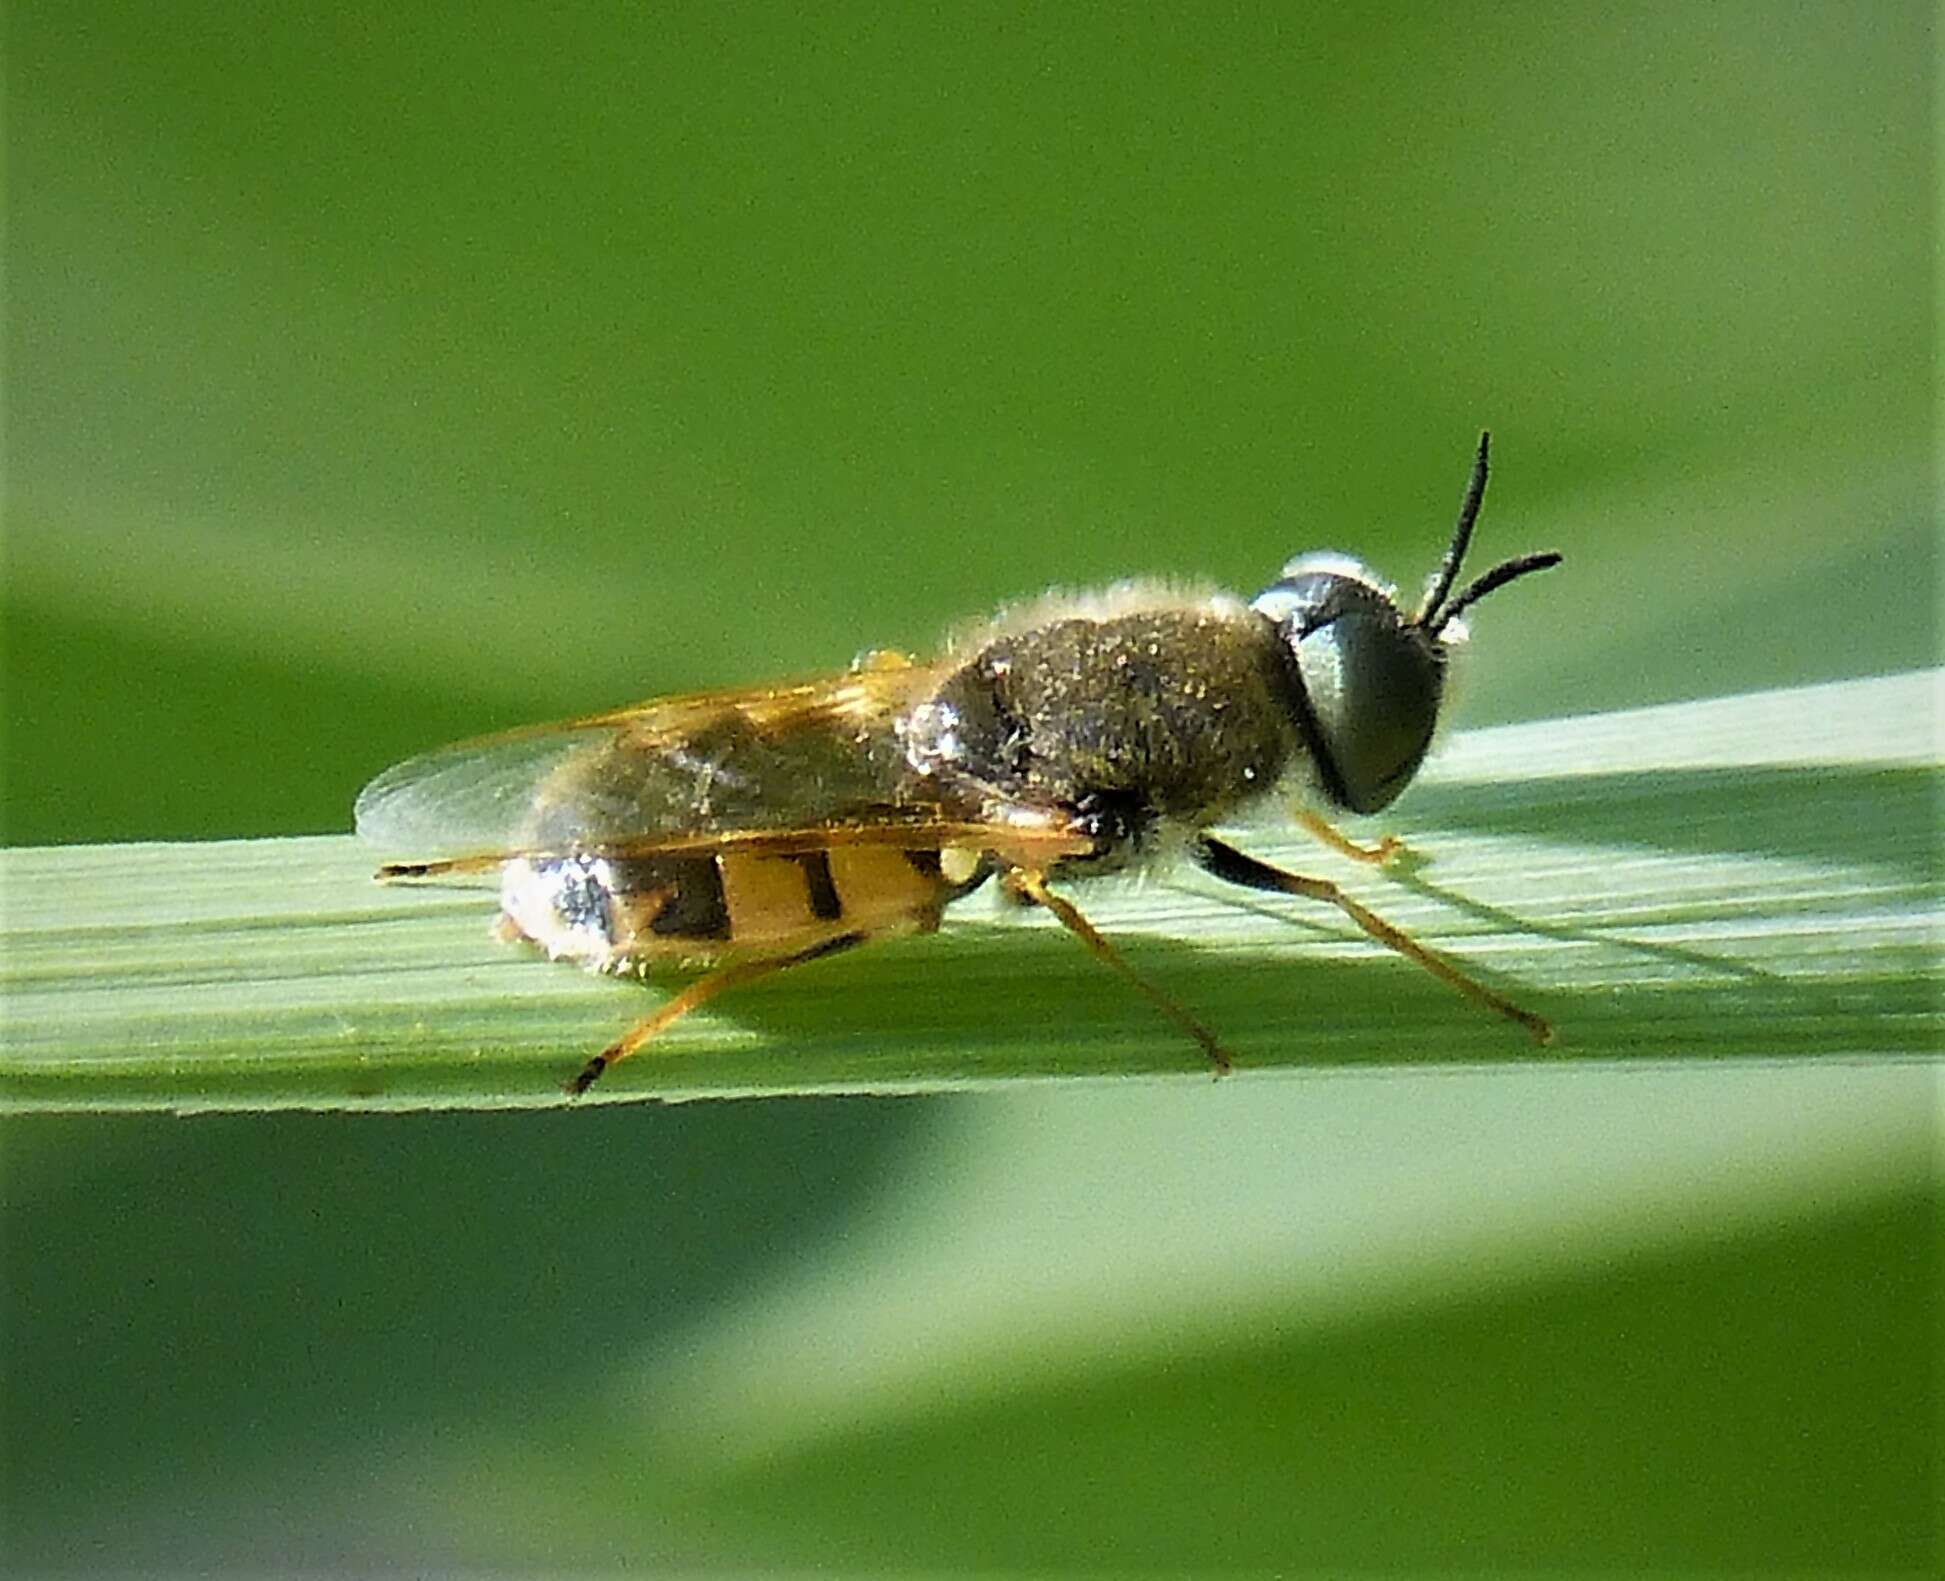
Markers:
<point>694,907</point>
<point>820,890</point>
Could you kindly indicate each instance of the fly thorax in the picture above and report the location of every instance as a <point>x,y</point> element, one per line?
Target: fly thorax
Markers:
<point>1150,716</point>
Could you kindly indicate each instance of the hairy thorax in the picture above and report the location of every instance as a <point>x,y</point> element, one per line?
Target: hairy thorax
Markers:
<point>1146,717</point>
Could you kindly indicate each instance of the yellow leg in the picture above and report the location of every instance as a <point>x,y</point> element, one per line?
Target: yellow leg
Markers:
<point>1032,886</point>
<point>1235,867</point>
<point>1394,939</point>
<point>698,993</point>
<point>1325,833</point>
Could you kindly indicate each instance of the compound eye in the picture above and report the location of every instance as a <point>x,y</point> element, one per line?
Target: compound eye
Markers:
<point>1316,588</point>
<point>1374,688</point>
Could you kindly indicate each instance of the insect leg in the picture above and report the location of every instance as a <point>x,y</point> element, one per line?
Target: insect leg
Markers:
<point>1032,886</point>
<point>1325,833</point>
<point>697,993</point>
<point>1234,867</point>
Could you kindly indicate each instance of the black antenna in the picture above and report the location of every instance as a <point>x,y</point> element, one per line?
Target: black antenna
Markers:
<point>1448,570</point>
<point>1437,614</point>
<point>1493,580</point>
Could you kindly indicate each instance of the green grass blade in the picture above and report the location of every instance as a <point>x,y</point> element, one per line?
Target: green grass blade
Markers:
<point>1754,876</point>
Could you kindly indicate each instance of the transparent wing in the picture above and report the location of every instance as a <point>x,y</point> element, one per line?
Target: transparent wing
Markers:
<point>693,767</point>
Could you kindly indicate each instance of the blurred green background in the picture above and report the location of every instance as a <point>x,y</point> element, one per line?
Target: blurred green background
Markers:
<point>379,375</point>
